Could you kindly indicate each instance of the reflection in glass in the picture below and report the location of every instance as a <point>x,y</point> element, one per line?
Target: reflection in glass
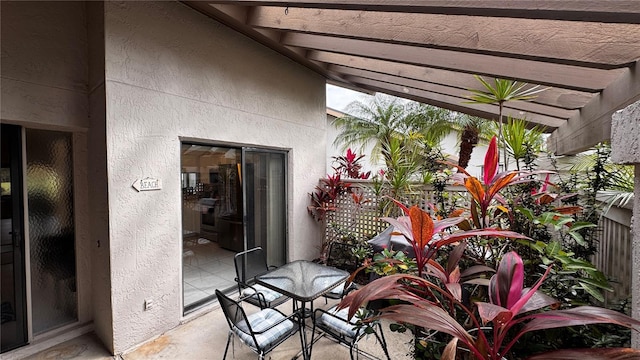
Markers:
<point>212,214</point>
<point>211,220</point>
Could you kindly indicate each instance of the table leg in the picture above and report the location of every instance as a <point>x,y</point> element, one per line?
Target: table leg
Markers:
<point>303,333</point>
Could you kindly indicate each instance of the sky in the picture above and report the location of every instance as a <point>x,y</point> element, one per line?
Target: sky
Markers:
<point>338,98</point>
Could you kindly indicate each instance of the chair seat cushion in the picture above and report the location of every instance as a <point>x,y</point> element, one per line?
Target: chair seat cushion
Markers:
<point>259,322</point>
<point>338,290</point>
<point>269,295</point>
<point>339,323</point>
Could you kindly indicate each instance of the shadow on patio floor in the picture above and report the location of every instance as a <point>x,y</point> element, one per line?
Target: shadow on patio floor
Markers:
<point>205,337</point>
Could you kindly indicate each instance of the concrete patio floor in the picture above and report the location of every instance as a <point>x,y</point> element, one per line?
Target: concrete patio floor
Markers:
<point>205,336</point>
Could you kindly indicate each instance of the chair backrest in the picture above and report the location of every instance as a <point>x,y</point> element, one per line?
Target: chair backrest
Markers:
<point>250,264</point>
<point>232,310</point>
<point>342,257</point>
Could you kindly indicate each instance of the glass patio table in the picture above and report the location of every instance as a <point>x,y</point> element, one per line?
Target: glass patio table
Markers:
<point>303,281</point>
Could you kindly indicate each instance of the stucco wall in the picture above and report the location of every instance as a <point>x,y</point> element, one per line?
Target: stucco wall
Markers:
<point>44,63</point>
<point>172,74</point>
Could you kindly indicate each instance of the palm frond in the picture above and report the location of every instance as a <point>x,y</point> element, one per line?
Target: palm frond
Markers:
<point>503,90</point>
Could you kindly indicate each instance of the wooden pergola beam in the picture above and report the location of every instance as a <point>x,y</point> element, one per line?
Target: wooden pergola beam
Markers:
<point>566,76</point>
<point>563,98</point>
<point>607,46</point>
<point>593,124</point>
<point>487,111</point>
<point>611,11</point>
<point>527,108</point>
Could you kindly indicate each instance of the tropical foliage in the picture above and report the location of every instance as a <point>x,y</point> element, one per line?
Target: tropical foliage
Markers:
<point>476,317</point>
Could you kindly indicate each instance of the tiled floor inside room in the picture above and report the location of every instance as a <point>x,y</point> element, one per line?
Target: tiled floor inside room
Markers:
<point>207,267</point>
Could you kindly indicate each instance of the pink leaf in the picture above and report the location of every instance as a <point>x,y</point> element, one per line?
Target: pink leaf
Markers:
<point>401,224</point>
<point>440,225</point>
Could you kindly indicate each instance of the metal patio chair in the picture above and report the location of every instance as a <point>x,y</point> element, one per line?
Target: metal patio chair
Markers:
<point>341,256</point>
<point>262,331</point>
<point>249,264</point>
<point>334,322</point>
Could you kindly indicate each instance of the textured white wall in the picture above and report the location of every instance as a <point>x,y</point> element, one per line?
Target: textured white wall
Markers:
<point>172,74</point>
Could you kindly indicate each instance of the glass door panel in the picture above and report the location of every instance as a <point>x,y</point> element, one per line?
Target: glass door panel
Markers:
<point>49,173</point>
<point>211,220</point>
<point>13,330</point>
<point>265,187</point>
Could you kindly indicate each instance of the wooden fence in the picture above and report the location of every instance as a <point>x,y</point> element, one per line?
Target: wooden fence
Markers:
<point>614,257</point>
<point>363,220</point>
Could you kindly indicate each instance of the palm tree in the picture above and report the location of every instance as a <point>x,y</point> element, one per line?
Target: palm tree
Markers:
<point>431,123</point>
<point>379,120</point>
<point>501,92</point>
<point>436,123</point>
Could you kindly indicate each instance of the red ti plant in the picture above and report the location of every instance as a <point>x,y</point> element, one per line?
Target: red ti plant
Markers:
<point>349,165</point>
<point>483,193</point>
<point>421,304</point>
<point>323,198</point>
<point>427,236</point>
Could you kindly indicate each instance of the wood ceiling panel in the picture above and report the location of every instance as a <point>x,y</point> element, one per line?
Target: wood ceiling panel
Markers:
<point>462,95</point>
<point>402,55</point>
<point>567,76</point>
<point>486,111</point>
<point>615,11</point>
<point>564,98</point>
<point>606,46</point>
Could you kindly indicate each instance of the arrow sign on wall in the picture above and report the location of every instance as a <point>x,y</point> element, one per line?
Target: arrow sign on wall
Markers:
<point>147,184</point>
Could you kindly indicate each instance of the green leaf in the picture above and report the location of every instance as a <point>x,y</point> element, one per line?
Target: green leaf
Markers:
<point>581,225</point>
<point>553,248</point>
<point>564,259</point>
<point>578,238</point>
<point>546,260</point>
<point>592,290</point>
<point>546,218</point>
<point>580,265</point>
<point>596,283</point>
<point>558,224</point>
<point>526,212</point>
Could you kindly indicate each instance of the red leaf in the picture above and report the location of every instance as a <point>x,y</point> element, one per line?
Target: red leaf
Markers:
<point>491,161</point>
<point>489,312</point>
<point>422,226</point>
<point>430,317</point>
<point>454,257</point>
<point>582,315</point>
<point>502,181</point>
<point>475,188</point>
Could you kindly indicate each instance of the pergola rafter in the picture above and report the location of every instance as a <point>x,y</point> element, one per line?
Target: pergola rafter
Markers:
<point>586,52</point>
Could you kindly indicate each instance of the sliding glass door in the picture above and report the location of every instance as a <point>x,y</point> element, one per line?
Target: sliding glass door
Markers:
<point>232,199</point>
<point>265,189</point>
